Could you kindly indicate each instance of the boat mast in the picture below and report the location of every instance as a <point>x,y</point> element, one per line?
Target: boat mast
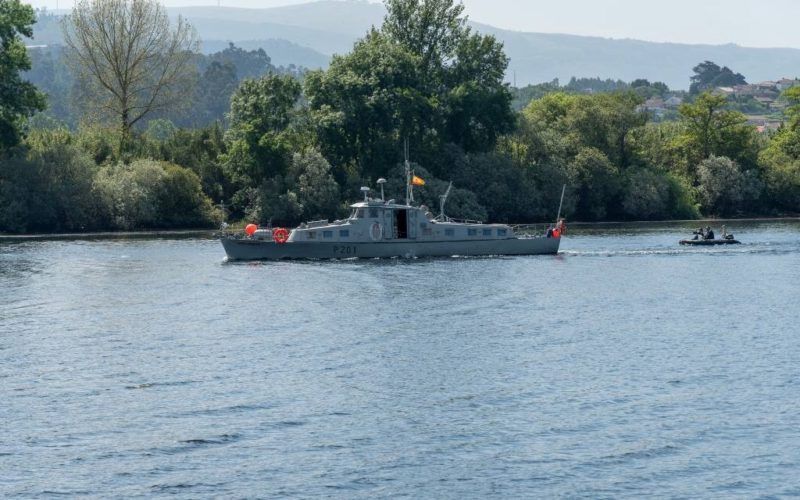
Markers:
<point>409,187</point>
<point>561,204</point>
<point>443,200</point>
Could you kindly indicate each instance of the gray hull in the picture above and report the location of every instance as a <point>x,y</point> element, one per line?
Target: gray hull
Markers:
<point>247,249</point>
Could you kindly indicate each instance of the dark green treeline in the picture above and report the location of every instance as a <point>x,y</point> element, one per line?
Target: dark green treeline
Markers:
<point>289,145</point>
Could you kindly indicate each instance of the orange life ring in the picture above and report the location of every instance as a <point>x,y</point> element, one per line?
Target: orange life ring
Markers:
<point>280,235</point>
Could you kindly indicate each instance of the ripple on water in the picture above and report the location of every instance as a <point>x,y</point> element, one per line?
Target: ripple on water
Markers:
<point>625,367</point>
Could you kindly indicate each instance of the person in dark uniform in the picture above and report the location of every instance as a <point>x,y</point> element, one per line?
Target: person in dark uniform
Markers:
<point>709,233</point>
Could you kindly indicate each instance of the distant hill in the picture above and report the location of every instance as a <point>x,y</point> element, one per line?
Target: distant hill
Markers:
<point>324,42</point>
<point>308,34</point>
<point>537,57</point>
<point>282,52</point>
<point>350,18</point>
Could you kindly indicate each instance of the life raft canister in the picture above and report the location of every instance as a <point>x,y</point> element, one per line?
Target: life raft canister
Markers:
<point>376,232</point>
<point>280,235</point>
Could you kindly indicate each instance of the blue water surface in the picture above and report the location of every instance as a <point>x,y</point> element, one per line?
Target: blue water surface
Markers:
<point>625,366</point>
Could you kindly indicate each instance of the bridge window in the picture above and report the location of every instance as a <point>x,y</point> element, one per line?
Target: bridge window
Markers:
<point>327,234</point>
<point>449,232</point>
<point>472,232</point>
<point>502,232</point>
<point>487,232</point>
<point>312,235</point>
<point>344,233</point>
<point>373,213</point>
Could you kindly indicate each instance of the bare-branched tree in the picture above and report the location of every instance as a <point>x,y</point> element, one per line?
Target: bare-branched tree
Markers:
<point>129,60</point>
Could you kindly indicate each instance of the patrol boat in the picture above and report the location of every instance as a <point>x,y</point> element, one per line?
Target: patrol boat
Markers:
<point>377,228</point>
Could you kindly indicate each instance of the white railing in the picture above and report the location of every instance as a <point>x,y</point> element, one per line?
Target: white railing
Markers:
<point>538,230</point>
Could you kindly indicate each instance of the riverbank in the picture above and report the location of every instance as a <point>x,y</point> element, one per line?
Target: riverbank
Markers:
<point>182,233</point>
<point>189,233</point>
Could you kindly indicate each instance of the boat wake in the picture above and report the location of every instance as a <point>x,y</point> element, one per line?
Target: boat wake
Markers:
<point>775,249</point>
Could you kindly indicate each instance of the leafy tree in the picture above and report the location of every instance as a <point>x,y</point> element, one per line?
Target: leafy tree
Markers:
<point>780,160</point>
<point>660,87</point>
<point>617,115</point>
<point>793,96</point>
<point>782,178</point>
<point>18,98</point>
<point>479,104</point>
<point>658,145</point>
<point>432,29</point>
<point>246,63</point>
<point>201,151</point>
<point>604,121</point>
<point>720,185</point>
<point>317,190</point>
<point>366,103</point>
<point>647,90</point>
<point>711,129</point>
<point>147,193</point>
<point>646,195</point>
<point>597,182</point>
<point>128,58</point>
<point>49,189</point>
<point>212,96</point>
<point>522,97</point>
<point>423,76</point>
<point>52,76</point>
<point>261,137</point>
<point>160,130</point>
<point>595,85</point>
<point>15,214</point>
<point>129,194</point>
<point>708,75</point>
<point>182,202</point>
<point>100,142</point>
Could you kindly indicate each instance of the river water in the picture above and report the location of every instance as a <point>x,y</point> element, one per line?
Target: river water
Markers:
<point>625,366</point>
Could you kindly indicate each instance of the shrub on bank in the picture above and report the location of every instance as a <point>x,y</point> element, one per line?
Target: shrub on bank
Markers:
<point>654,195</point>
<point>152,194</point>
<point>47,187</point>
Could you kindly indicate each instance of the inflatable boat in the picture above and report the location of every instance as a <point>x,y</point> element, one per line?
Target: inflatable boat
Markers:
<point>710,242</point>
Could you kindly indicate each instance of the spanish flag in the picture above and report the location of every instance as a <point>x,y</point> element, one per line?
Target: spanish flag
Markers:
<point>417,181</point>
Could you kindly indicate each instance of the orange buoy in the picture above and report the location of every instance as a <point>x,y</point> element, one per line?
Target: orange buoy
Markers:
<point>280,235</point>
<point>251,229</point>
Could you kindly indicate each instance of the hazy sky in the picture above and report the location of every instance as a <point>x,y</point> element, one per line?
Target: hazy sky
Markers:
<point>754,23</point>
